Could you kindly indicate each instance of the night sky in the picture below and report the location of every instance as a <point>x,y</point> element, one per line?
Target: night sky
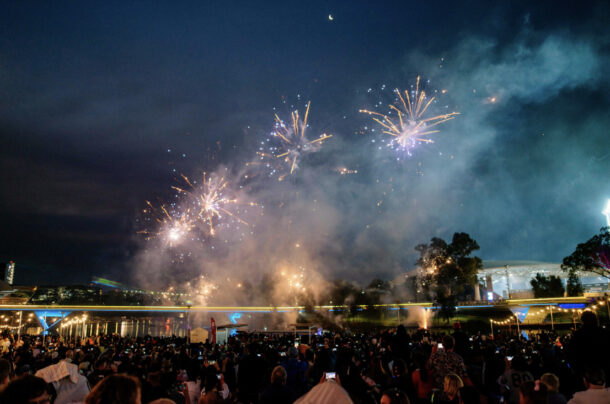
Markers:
<point>104,104</point>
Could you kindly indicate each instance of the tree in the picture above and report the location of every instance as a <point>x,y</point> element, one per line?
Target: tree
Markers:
<point>377,287</point>
<point>573,286</point>
<point>448,269</point>
<point>447,304</point>
<point>413,287</point>
<point>339,293</point>
<point>591,256</point>
<point>547,286</point>
<point>364,298</point>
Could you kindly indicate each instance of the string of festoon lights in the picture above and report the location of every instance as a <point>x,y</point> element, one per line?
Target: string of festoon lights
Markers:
<point>510,320</point>
<point>74,320</point>
<point>12,327</point>
<point>593,306</point>
<point>21,324</point>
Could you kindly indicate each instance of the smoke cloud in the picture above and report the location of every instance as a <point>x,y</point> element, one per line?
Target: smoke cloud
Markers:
<point>506,170</point>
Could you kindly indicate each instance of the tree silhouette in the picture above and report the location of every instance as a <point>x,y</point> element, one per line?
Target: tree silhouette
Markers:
<point>547,286</point>
<point>591,256</point>
<point>448,270</point>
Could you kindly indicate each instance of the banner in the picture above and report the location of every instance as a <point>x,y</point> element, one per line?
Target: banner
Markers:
<point>213,329</point>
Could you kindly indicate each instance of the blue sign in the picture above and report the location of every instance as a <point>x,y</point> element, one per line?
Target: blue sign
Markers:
<point>572,305</point>
<point>234,317</point>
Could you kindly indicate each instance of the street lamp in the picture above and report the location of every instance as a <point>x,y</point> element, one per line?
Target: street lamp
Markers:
<point>606,212</point>
<point>507,281</point>
<point>188,324</point>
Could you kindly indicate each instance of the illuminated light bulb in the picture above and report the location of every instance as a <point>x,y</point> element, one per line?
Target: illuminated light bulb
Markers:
<point>606,212</point>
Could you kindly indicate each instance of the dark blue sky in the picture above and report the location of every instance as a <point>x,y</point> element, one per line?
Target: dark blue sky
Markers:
<point>92,96</point>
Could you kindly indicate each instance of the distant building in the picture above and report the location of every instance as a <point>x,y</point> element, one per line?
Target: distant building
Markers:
<point>71,294</point>
<point>7,272</point>
<point>512,278</point>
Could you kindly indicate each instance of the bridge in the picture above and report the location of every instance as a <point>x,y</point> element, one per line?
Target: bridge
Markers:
<point>57,313</point>
<point>272,309</point>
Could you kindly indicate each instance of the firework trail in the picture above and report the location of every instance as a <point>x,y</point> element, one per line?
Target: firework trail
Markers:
<point>293,141</point>
<point>411,125</point>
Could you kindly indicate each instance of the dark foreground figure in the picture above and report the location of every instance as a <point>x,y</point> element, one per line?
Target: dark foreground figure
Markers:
<point>389,367</point>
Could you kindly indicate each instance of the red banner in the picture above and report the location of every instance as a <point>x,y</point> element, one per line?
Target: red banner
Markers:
<point>213,329</point>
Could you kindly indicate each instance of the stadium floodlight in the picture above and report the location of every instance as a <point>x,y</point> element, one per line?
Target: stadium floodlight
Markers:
<point>606,212</point>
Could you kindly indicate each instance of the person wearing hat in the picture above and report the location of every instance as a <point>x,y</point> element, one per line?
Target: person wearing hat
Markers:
<point>596,392</point>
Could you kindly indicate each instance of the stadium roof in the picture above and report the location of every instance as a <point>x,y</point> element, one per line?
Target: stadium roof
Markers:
<point>517,263</point>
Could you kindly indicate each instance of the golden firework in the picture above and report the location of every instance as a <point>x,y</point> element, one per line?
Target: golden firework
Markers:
<point>294,141</point>
<point>210,201</point>
<point>411,125</point>
<point>172,228</point>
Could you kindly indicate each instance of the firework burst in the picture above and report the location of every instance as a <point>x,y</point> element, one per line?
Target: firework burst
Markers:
<point>293,141</point>
<point>202,290</point>
<point>410,126</point>
<point>294,281</point>
<point>210,202</point>
<point>173,226</point>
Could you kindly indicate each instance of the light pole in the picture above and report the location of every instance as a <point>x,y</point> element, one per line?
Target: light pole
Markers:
<point>188,324</point>
<point>507,281</point>
<point>19,329</point>
<point>309,333</point>
<point>574,319</point>
<point>606,212</point>
<point>398,313</point>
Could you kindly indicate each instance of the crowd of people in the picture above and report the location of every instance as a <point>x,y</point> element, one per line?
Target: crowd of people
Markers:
<point>391,366</point>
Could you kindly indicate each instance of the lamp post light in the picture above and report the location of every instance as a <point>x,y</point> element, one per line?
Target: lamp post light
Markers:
<point>398,312</point>
<point>188,325</point>
<point>19,329</point>
<point>574,320</point>
<point>606,212</point>
<point>309,333</point>
<point>507,281</point>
